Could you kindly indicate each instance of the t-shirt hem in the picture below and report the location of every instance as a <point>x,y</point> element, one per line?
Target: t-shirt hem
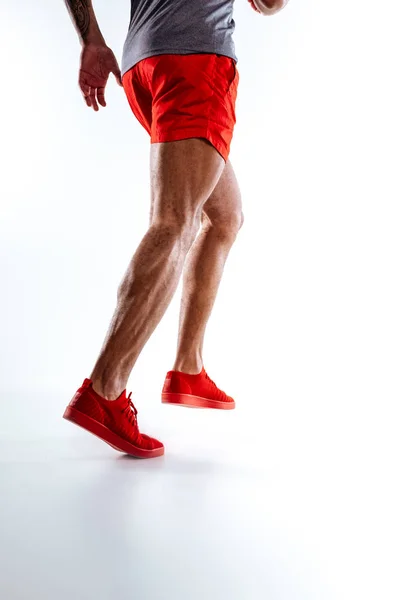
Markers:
<point>156,52</point>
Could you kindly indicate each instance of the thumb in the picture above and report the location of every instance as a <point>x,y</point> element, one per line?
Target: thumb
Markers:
<point>118,77</point>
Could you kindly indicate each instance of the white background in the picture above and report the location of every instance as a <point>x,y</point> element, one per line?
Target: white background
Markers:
<point>306,328</point>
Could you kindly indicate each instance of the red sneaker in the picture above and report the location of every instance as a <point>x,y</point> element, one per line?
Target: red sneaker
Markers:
<point>113,421</point>
<point>194,390</point>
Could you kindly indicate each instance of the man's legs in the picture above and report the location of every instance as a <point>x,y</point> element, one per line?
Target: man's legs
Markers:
<point>183,176</point>
<point>222,219</point>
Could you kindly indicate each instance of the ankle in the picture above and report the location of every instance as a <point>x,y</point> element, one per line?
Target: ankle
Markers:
<point>108,391</point>
<point>192,366</point>
<point>108,381</point>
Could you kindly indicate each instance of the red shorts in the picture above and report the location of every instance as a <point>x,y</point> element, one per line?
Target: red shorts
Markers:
<point>180,96</point>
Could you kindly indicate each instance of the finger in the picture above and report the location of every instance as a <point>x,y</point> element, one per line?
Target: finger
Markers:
<point>85,89</point>
<point>93,100</point>
<point>100,96</point>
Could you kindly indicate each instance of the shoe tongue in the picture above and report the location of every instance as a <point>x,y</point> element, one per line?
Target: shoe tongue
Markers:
<point>122,399</point>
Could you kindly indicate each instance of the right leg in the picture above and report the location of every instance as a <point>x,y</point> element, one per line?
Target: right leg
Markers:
<point>204,265</point>
<point>183,176</point>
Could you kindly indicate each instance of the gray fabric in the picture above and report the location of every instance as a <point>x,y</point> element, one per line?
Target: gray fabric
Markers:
<point>178,27</point>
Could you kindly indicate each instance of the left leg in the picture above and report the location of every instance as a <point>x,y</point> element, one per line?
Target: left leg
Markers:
<point>222,218</point>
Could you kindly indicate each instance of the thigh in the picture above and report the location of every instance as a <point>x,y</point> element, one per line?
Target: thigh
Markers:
<point>224,206</point>
<point>183,175</point>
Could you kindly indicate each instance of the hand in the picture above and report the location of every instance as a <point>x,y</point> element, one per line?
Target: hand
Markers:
<point>97,62</point>
<point>253,6</point>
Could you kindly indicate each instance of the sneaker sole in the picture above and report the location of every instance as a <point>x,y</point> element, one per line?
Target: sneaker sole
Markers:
<point>195,401</point>
<point>105,434</point>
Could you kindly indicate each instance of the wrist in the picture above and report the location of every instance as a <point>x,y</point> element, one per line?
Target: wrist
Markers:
<point>93,39</point>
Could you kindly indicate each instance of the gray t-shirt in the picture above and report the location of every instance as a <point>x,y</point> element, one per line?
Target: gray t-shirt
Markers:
<point>178,27</point>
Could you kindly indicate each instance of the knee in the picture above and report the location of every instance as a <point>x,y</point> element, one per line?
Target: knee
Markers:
<point>176,229</point>
<point>227,226</point>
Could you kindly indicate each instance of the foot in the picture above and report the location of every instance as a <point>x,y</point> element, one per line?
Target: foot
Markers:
<point>198,391</point>
<point>113,421</point>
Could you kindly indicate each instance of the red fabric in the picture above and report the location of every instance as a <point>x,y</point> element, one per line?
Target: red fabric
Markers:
<point>199,385</point>
<point>181,96</point>
<point>119,416</point>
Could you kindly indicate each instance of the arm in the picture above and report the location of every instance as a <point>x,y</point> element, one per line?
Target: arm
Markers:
<point>85,22</point>
<point>97,59</point>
